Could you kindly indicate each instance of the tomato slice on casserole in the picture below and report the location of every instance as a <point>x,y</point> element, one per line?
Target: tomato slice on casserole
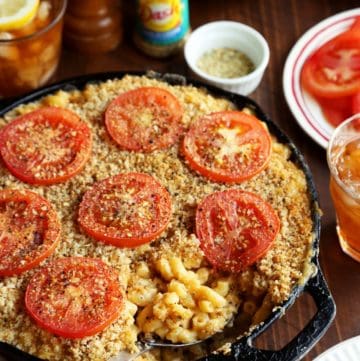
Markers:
<point>125,210</point>
<point>228,146</point>
<point>144,119</point>
<point>74,297</point>
<point>46,146</point>
<point>29,231</point>
<point>235,228</point>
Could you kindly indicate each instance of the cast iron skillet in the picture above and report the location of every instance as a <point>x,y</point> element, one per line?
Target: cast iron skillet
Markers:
<point>316,286</point>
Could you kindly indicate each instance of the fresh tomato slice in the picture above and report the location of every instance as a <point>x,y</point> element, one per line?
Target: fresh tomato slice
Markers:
<point>144,119</point>
<point>356,25</point>
<point>356,103</point>
<point>29,231</point>
<point>336,110</point>
<point>46,146</point>
<point>228,146</point>
<point>74,297</point>
<point>125,210</point>
<point>235,228</point>
<point>334,69</point>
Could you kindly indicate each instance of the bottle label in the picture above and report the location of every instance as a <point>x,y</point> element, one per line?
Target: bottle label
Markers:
<point>163,22</point>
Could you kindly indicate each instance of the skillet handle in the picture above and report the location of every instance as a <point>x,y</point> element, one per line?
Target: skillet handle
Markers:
<point>306,339</point>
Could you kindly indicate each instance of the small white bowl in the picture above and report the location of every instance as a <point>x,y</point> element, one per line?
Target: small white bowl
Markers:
<point>229,34</point>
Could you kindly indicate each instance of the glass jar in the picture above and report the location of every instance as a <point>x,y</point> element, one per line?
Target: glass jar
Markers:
<point>29,56</point>
<point>161,26</point>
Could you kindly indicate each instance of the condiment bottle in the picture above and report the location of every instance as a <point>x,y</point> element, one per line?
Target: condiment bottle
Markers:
<point>93,25</point>
<point>161,26</point>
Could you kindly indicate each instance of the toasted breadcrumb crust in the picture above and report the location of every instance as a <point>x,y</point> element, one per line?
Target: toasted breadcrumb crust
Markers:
<point>267,284</point>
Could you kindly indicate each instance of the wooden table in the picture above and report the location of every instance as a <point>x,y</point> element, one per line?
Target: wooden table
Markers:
<point>282,22</point>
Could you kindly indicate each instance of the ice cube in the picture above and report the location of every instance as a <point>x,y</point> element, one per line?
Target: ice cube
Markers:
<point>9,52</point>
<point>6,36</point>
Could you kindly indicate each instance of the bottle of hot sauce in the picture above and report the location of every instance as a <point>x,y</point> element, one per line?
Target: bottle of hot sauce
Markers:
<point>93,25</point>
<point>161,26</point>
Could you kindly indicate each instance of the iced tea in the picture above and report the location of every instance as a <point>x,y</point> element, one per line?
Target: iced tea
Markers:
<point>29,55</point>
<point>344,163</point>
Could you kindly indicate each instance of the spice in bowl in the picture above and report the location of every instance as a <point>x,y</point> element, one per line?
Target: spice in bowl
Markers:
<point>225,63</point>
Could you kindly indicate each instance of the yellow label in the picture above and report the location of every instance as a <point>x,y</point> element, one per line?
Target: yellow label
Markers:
<point>160,15</point>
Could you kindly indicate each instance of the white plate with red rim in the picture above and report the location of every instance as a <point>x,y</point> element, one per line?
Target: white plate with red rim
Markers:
<point>304,108</point>
<point>348,350</point>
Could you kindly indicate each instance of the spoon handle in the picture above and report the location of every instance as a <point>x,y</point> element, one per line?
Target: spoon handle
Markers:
<point>127,356</point>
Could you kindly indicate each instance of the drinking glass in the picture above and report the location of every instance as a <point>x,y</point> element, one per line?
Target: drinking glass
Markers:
<point>343,156</point>
<point>29,56</point>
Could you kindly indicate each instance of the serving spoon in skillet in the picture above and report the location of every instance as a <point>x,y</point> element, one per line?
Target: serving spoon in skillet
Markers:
<point>146,345</point>
<point>231,331</point>
<point>11,353</point>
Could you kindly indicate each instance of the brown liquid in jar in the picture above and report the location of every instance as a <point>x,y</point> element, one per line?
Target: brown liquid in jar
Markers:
<point>93,25</point>
<point>29,55</point>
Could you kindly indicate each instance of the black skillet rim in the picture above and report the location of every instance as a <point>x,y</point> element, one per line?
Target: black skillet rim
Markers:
<point>240,101</point>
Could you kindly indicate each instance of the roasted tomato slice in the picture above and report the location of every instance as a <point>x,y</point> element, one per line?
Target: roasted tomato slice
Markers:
<point>125,210</point>
<point>334,69</point>
<point>144,119</point>
<point>74,297</point>
<point>46,146</point>
<point>235,228</point>
<point>228,146</point>
<point>29,231</point>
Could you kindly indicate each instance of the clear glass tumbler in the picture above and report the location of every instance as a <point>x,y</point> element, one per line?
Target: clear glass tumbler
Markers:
<point>343,155</point>
<point>29,56</point>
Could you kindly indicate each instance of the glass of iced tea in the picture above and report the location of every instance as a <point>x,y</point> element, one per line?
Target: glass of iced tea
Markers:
<point>29,55</point>
<point>343,155</point>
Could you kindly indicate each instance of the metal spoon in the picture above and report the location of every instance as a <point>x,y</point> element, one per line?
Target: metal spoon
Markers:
<point>234,328</point>
<point>10,353</point>
<point>146,345</point>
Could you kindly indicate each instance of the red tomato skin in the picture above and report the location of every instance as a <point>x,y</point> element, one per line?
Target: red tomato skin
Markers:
<point>87,222</point>
<point>313,77</point>
<point>224,259</point>
<point>356,102</point>
<point>336,110</point>
<point>188,148</point>
<point>69,332</point>
<point>16,167</point>
<point>136,139</point>
<point>53,233</point>
<point>356,25</point>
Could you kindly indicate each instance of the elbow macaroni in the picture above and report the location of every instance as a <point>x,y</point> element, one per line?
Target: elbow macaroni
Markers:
<point>188,308</point>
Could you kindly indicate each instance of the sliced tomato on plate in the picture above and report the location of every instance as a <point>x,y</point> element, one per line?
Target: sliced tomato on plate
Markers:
<point>336,110</point>
<point>29,231</point>
<point>235,228</point>
<point>125,210</point>
<point>228,146</point>
<point>74,297</point>
<point>356,103</point>
<point>46,146</point>
<point>334,69</point>
<point>144,119</point>
<point>356,25</point>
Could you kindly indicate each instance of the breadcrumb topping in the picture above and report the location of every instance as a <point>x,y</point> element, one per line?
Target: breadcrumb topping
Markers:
<point>266,284</point>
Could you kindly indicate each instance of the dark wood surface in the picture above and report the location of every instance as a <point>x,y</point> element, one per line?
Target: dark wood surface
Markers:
<point>281,22</point>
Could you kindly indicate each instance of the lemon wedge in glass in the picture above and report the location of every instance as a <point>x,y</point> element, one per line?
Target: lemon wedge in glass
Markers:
<point>15,14</point>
